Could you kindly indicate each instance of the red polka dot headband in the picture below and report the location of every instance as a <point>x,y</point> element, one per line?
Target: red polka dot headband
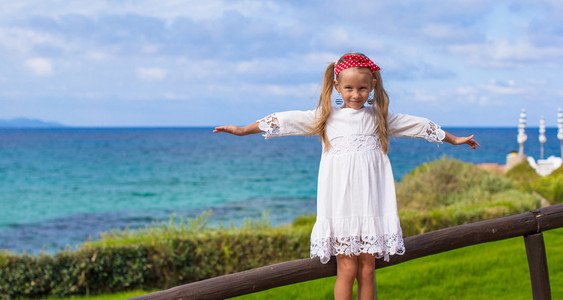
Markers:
<point>355,61</point>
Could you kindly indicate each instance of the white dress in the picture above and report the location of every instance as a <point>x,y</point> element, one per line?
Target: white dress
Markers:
<point>356,203</point>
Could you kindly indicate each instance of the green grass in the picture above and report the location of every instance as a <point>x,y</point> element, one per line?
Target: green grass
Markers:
<point>116,296</point>
<point>497,270</point>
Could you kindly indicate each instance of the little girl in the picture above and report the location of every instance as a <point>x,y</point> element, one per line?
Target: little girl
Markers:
<point>357,217</point>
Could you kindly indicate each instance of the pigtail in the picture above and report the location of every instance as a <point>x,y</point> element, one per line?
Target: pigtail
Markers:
<point>381,100</point>
<point>325,106</point>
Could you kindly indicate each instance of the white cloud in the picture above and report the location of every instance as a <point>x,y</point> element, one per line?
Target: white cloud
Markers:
<point>556,93</point>
<point>503,88</point>
<point>151,73</point>
<point>247,66</point>
<point>345,39</point>
<point>523,50</point>
<point>25,41</point>
<point>266,91</point>
<point>168,9</point>
<point>438,31</point>
<point>465,90</point>
<point>150,49</point>
<point>174,96</point>
<point>337,36</point>
<point>492,93</point>
<point>285,90</point>
<point>424,96</point>
<point>97,55</point>
<point>506,54</point>
<point>40,66</point>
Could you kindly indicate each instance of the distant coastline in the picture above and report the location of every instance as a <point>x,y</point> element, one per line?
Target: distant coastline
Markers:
<point>29,123</point>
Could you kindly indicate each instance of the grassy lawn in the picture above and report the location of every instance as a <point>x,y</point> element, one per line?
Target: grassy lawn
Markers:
<point>116,296</point>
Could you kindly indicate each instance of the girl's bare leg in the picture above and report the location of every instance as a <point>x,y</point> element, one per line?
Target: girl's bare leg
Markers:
<point>346,271</point>
<point>366,277</point>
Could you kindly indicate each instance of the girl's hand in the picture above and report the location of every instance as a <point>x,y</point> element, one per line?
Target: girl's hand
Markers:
<point>240,131</point>
<point>459,140</point>
<point>232,129</point>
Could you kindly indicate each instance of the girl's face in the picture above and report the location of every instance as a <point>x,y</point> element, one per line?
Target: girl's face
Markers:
<point>354,84</point>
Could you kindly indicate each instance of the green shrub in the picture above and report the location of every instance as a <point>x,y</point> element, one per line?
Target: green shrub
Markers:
<point>448,192</point>
<point>444,181</point>
<point>523,175</point>
<point>557,172</point>
<point>414,221</point>
<point>156,257</point>
<point>550,187</point>
<point>307,221</point>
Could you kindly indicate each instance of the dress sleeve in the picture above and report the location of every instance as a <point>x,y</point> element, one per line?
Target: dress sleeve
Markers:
<point>401,125</point>
<point>287,123</point>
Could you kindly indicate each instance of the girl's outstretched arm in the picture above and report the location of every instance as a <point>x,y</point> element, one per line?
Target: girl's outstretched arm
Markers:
<point>456,140</point>
<point>240,131</point>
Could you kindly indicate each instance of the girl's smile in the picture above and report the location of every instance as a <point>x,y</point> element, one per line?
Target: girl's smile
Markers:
<point>354,84</point>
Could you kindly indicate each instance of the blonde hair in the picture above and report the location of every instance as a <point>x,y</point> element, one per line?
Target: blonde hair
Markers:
<point>380,107</point>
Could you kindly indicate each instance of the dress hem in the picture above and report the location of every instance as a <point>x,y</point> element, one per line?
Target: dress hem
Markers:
<point>382,246</point>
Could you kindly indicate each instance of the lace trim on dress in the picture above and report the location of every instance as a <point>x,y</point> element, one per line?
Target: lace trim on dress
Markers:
<point>270,126</point>
<point>380,246</point>
<point>354,143</point>
<point>433,133</point>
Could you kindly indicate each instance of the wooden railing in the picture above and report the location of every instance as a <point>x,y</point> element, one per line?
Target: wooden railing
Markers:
<point>529,225</point>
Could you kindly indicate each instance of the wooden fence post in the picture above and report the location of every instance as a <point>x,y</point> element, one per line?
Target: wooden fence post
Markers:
<point>537,262</point>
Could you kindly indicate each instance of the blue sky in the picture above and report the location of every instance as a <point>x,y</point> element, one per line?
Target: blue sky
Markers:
<point>206,63</point>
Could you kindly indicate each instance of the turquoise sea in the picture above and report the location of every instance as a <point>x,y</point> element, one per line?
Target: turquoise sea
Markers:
<point>60,186</point>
